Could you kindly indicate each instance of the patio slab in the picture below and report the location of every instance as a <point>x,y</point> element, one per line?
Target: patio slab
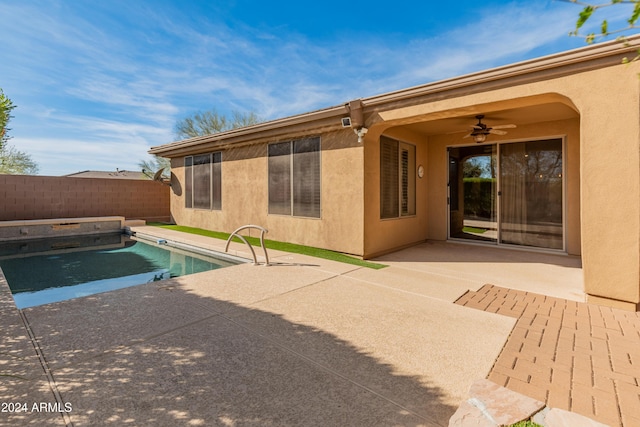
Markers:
<point>216,373</point>
<point>423,283</point>
<point>297,343</point>
<point>82,328</point>
<point>303,342</point>
<point>381,353</point>
<point>430,350</point>
<point>23,382</point>
<point>120,318</point>
<point>541,272</point>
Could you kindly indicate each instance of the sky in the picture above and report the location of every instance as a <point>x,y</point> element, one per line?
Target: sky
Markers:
<point>97,83</point>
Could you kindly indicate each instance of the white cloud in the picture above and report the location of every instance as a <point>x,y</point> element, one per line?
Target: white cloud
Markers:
<point>93,87</point>
<point>277,76</point>
<point>73,155</point>
<point>88,143</point>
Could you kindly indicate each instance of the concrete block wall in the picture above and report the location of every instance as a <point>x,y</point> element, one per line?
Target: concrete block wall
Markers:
<point>25,197</point>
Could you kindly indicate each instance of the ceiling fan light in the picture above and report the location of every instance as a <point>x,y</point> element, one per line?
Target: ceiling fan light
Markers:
<point>479,137</point>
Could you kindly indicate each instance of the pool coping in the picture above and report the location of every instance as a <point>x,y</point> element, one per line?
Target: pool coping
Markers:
<point>149,239</point>
<point>126,235</point>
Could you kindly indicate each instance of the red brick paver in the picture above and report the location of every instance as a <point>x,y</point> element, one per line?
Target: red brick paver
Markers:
<point>575,356</point>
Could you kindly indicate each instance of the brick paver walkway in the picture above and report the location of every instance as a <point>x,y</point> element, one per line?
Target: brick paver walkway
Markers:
<point>574,356</point>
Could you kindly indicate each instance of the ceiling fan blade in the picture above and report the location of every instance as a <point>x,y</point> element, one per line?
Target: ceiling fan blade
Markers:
<point>504,126</point>
<point>497,132</point>
<point>467,135</point>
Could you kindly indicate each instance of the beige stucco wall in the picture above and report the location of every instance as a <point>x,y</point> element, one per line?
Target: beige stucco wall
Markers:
<point>593,105</point>
<point>437,174</point>
<point>603,167</point>
<point>245,197</point>
<point>610,129</point>
<point>385,235</point>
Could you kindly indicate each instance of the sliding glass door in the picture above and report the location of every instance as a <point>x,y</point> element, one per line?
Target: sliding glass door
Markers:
<point>472,193</point>
<point>531,194</point>
<point>509,193</point>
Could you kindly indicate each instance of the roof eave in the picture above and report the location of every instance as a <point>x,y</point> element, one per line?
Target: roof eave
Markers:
<point>612,50</point>
<point>593,56</point>
<point>315,121</point>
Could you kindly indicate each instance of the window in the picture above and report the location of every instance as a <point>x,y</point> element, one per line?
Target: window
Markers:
<point>397,178</point>
<point>203,175</point>
<point>294,178</point>
<point>188,182</point>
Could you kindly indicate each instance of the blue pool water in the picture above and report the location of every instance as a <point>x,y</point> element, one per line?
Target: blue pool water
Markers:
<point>45,271</point>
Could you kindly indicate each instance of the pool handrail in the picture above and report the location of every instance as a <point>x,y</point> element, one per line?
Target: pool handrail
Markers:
<point>262,231</point>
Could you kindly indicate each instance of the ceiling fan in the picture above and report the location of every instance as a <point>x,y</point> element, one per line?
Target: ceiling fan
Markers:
<point>480,130</point>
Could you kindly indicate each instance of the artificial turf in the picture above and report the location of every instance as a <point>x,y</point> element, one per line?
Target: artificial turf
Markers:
<point>279,246</point>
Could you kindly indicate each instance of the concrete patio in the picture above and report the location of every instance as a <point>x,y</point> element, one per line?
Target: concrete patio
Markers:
<point>303,342</point>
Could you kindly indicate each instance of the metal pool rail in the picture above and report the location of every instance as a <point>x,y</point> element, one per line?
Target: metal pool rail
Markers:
<point>262,231</point>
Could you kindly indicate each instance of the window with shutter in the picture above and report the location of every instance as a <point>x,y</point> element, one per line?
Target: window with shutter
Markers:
<point>188,182</point>
<point>306,177</point>
<point>294,178</point>
<point>397,178</point>
<point>216,181</point>
<point>203,181</point>
<point>388,178</point>
<point>280,178</point>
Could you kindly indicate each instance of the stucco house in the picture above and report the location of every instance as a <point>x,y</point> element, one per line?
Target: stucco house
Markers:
<point>385,172</point>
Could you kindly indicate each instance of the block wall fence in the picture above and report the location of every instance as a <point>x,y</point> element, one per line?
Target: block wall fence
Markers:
<point>24,197</point>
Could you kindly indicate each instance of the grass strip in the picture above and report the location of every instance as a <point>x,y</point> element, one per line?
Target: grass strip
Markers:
<point>474,230</point>
<point>275,245</point>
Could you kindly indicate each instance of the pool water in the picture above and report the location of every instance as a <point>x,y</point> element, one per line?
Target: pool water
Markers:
<point>71,271</point>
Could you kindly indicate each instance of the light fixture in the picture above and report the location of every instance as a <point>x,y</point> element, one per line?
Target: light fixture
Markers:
<point>480,130</point>
<point>361,133</point>
<point>479,136</point>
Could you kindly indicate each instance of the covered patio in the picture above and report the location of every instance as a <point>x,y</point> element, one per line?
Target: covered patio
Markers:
<point>550,179</point>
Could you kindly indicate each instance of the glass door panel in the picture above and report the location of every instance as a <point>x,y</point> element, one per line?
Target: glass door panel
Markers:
<point>472,193</point>
<point>531,190</point>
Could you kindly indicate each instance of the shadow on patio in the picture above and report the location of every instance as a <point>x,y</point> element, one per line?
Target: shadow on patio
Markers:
<point>165,354</point>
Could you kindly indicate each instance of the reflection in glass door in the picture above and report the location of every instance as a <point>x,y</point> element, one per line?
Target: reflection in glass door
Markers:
<point>472,193</point>
<point>510,193</point>
<point>531,194</point>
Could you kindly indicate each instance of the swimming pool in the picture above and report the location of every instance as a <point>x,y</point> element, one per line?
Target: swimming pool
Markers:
<point>45,271</point>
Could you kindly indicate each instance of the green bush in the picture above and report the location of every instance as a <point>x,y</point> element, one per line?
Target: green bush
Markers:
<point>478,196</point>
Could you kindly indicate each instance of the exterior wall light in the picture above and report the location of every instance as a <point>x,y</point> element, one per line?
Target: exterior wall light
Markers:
<point>361,133</point>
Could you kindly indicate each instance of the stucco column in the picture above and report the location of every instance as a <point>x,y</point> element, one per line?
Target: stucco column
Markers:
<point>610,187</point>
